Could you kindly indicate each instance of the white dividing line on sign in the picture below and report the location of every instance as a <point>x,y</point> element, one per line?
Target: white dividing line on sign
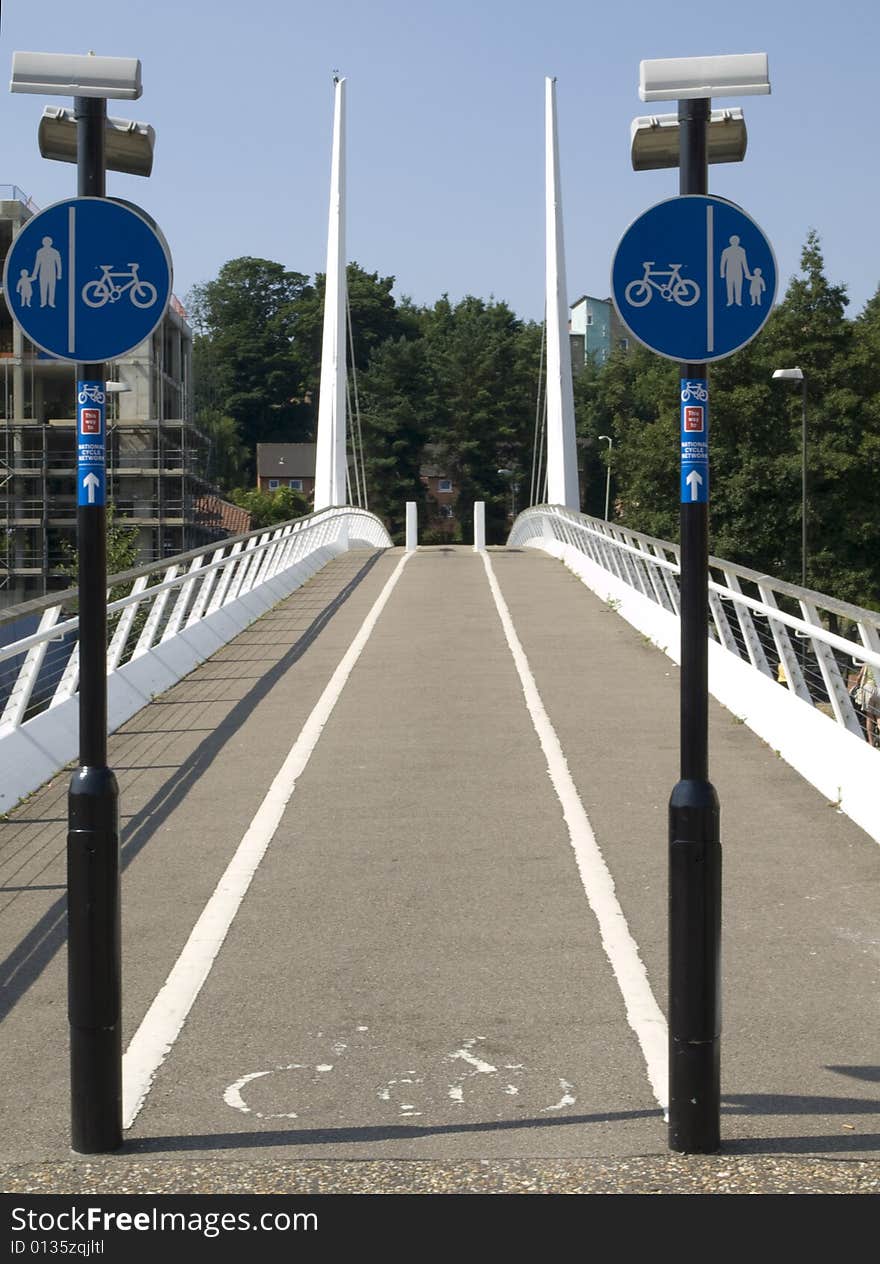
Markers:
<point>71,280</point>
<point>154,1039</point>
<point>710,278</point>
<point>642,1011</point>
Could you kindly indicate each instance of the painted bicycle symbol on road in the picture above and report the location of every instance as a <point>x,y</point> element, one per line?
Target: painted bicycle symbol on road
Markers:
<point>108,289</point>
<point>451,1083</point>
<point>668,283</point>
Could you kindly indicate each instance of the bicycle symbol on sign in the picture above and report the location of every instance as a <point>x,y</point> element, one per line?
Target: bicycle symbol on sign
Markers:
<point>694,391</point>
<point>109,288</point>
<point>93,393</point>
<point>669,284</point>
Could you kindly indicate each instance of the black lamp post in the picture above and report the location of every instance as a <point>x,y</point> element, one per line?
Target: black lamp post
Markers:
<point>94,954</point>
<point>691,142</point>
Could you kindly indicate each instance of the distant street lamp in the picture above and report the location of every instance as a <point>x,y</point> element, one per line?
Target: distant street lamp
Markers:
<point>797,375</point>
<point>510,475</point>
<point>607,472</point>
<point>114,389</point>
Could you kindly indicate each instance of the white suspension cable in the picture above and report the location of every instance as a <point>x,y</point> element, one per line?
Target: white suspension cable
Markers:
<point>534,484</point>
<point>354,456</point>
<point>357,407</point>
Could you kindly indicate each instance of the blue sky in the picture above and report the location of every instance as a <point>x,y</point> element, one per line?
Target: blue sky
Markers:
<point>445,130</point>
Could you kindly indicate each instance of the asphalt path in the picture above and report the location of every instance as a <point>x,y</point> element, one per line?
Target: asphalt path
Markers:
<point>416,974</point>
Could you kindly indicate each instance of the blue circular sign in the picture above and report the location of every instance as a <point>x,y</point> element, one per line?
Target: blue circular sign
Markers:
<point>694,278</point>
<point>87,279</point>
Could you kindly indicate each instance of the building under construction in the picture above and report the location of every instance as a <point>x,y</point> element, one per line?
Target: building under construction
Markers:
<point>155,455</point>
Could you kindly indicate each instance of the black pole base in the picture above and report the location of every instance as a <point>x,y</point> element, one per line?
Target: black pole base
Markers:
<point>96,1089</point>
<point>94,957</point>
<point>694,1096</point>
<point>694,968</point>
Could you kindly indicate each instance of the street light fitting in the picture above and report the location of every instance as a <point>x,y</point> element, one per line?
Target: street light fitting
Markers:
<point>608,473</point>
<point>128,146</point>
<point>75,75</point>
<point>654,139</point>
<point>684,78</point>
<point>790,375</point>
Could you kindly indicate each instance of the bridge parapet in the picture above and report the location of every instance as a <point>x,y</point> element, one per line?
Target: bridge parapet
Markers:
<point>783,658</point>
<point>163,620</point>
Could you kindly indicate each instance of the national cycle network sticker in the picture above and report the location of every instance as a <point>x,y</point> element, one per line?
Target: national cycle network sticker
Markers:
<point>694,441</point>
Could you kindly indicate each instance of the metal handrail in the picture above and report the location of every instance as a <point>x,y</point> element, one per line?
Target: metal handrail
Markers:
<point>192,587</point>
<point>67,596</point>
<point>816,661</point>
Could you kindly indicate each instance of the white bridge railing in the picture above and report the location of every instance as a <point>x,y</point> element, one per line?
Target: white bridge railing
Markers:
<point>782,658</point>
<point>163,620</point>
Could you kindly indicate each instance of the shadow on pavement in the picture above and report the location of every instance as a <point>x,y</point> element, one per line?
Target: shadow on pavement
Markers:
<point>28,960</point>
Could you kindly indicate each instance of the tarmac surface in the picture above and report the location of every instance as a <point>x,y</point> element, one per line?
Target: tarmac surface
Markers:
<point>414,994</point>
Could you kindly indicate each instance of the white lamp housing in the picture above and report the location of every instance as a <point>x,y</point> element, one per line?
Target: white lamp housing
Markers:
<point>74,75</point>
<point>684,78</point>
<point>790,375</point>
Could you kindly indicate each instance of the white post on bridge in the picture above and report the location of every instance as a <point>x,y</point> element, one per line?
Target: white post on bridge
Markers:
<point>412,526</point>
<point>562,477</point>
<point>479,525</point>
<point>330,456</point>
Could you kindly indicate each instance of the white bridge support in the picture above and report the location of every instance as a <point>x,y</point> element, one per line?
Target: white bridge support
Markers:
<point>479,525</point>
<point>412,526</point>
<point>562,475</point>
<point>330,456</point>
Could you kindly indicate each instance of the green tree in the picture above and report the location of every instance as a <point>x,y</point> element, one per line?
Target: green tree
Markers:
<point>267,508</point>
<point>249,357</point>
<point>122,555</point>
<point>227,455</point>
<point>374,316</point>
<point>395,394</point>
<point>484,364</point>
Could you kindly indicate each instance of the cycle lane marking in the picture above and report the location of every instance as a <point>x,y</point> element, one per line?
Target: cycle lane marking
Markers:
<point>643,1014</point>
<point>161,1025</point>
<point>411,1093</point>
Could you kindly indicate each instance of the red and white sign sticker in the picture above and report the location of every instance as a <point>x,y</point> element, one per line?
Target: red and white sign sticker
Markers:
<point>693,418</point>
<point>90,421</point>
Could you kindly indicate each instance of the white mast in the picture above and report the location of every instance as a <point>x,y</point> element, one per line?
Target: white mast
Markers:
<point>562,479</point>
<point>330,457</point>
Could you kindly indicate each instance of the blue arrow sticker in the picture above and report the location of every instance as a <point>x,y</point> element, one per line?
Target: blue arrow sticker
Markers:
<point>90,443</point>
<point>694,441</point>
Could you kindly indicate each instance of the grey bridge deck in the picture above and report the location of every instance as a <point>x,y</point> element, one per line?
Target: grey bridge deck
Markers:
<point>415,976</point>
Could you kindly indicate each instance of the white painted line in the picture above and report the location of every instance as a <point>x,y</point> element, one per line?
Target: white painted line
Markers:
<point>642,1011</point>
<point>154,1039</point>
